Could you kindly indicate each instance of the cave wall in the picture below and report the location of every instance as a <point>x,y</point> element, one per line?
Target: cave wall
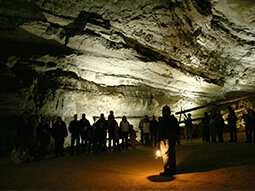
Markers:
<point>133,57</point>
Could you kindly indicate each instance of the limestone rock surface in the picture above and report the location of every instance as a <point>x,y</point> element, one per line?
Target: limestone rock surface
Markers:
<point>129,56</point>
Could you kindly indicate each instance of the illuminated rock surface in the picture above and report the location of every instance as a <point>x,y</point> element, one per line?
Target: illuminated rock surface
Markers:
<point>132,57</point>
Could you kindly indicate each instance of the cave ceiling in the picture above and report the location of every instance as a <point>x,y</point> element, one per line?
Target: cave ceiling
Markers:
<point>130,56</point>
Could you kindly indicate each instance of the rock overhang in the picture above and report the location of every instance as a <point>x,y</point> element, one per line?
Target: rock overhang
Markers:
<point>121,54</point>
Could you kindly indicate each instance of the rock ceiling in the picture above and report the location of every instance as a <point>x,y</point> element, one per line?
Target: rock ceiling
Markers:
<point>130,56</point>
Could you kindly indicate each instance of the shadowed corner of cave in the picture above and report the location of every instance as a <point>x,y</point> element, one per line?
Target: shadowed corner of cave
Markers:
<point>37,46</point>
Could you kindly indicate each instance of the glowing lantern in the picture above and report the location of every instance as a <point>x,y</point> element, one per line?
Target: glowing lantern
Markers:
<point>158,154</point>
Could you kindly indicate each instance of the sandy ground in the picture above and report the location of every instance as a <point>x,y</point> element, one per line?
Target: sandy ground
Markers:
<point>201,166</point>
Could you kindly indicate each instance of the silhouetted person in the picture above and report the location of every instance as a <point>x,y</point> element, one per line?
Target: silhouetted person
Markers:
<point>206,128</point>
<point>100,137</point>
<point>101,127</point>
<point>249,118</point>
<point>59,132</point>
<point>167,135</point>
<point>188,129</point>
<point>220,126</point>
<point>179,135</point>
<point>94,128</point>
<point>43,137</point>
<point>85,128</point>
<point>74,129</point>
<point>132,137</point>
<point>146,131</point>
<point>124,129</point>
<point>213,126</point>
<point>114,134</point>
<point>25,134</point>
<point>90,134</point>
<point>111,128</point>
<point>111,115</point>
<point>154,131</point>
<point>232,119</point>
<point>141,128</point>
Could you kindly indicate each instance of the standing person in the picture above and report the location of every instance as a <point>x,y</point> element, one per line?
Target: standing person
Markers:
<point>101,129</point>
<point>132,137</point>
<point>232,119</point>
<point>59,132</point>
<point>249,118</point>
<point>124,129</point>
<point>146,131</point>
<point>74,129</point>
<point>167,136</point>
<point>90,136</point>
<point>116,143</point>
<point>154,131</point>
<point>95,137</point>
<point>220,126</point>
<point>101,136</point>
<point>141,128</point>
<point>188,129</point>
<point>206,127</point>
<point>84,128</point>
<point>43,137</point>
<point>213,126</point>
<point>25,133</point>
<point>111,127</point>
<point>111,115</point>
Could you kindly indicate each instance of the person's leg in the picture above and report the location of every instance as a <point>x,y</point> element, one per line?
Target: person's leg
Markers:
<point>171,163</point>
<point>114,145</point>
<point>190,135</point>
<point>132,142</point>
<point>146,139</point>
<point>213,134</point>
<point>61,149</point>
<point>85,143</point>
<point>235,134</point>
<point>123,141</point>
<point>152,139</point>
<point>231,134</point>
<point>163,149</point>
<point>249,138</point>
<point>186,135</point>
<point>56,147</point>
<point>118,144</point>
<point>78,145</point>
<point>72,144</point>
<point>89,145</point>
<point>142,142</point>
<point>126,141</point>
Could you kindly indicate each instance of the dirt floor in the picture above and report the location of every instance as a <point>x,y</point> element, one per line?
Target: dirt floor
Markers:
<point>201,166</point>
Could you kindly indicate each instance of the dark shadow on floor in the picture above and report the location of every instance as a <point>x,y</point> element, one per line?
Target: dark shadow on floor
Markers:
<point>214,156</point>
<point>158,178</point>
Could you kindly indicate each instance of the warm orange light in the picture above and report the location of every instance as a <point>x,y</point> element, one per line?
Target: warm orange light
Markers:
<point>158,154</point>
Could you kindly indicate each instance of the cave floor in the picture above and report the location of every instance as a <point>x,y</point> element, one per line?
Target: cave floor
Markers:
<point>201,166</point>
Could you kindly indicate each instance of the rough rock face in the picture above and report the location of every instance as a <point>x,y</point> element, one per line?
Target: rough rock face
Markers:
<point>130,56</point>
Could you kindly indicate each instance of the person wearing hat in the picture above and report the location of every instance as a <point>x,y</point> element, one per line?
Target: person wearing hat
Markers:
<point>167,137</point>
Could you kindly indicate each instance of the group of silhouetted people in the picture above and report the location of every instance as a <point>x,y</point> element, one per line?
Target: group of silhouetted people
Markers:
<point>149,131</point>
<point>92,138</point>
<point>213,126</point>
